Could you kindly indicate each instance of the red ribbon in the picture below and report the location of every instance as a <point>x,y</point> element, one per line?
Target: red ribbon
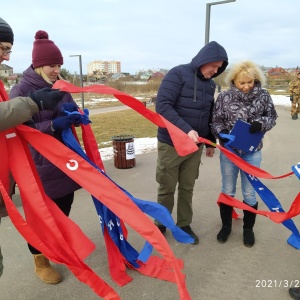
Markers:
<point>99,186</point>
<point>108,193</point>
<point>182,142</point>
<point>277,217</point>
<point>46,227</point>
<point>243,165</point>
<point>155,267</point>
<point>65,242</point>
<point>3,93</point>
<point>175,133</point>
<point>4,168</point>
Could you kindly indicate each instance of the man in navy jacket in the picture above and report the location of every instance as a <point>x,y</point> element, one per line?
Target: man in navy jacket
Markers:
<point>186,98</point>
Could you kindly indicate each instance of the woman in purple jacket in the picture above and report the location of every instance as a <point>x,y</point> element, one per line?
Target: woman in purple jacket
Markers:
<point>44,71</point>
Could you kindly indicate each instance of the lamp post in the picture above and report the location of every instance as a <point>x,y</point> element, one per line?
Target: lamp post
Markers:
<point>207,23</point>
<point>81,81</point>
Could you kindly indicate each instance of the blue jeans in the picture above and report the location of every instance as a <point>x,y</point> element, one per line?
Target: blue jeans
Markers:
<point>230,172</point>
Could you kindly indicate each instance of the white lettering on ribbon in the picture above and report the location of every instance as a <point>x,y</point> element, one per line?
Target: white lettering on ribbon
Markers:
<point>252,177</point>
<point>296,170</point>
<point>10,135</point>
<point>276,209</point>
<point>72,164</point>
<point>110,224</point>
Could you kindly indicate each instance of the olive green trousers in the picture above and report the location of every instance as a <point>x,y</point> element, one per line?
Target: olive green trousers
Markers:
<point>171,170</point>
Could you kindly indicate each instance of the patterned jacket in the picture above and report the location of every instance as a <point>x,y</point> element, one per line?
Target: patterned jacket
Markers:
<point>233,104</point>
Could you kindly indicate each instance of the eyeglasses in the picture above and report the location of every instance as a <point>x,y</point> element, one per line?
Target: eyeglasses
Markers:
<point>6,50</point>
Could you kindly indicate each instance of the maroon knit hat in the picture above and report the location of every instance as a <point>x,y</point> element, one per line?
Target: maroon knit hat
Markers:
<point>45,52</point>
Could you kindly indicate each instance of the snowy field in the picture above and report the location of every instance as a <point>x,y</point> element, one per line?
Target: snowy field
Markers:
<point>146,145</point>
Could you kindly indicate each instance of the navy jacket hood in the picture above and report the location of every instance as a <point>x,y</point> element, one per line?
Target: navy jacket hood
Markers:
<point>210,53</point>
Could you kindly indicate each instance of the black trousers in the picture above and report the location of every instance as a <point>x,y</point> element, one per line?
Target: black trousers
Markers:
<point>64,203</point>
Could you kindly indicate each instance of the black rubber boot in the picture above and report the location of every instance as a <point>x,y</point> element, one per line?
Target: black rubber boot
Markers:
<point>226,217</point>
<point>249,221</point>
<point>295,292</point>
<point>162,228</point>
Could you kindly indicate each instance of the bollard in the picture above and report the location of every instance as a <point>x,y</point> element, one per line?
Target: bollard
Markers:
<point>124,154</point>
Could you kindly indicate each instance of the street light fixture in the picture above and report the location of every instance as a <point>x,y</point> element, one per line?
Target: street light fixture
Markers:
<point>81,81</point>
<point>207,24</point>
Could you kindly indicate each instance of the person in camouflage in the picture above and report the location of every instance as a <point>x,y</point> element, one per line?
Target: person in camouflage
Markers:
<point>295,96</point>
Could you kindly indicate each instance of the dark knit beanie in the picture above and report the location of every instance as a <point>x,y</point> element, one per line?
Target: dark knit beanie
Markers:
<point>45,52</point>
<point>6,33</point>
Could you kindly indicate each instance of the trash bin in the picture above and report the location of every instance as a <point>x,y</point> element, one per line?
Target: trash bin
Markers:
<point>124,154</point>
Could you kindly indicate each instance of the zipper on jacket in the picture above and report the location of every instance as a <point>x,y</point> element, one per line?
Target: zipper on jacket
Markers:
<point>195,88</point>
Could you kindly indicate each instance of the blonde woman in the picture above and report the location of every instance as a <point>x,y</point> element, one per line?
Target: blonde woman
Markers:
<point>244,100</point>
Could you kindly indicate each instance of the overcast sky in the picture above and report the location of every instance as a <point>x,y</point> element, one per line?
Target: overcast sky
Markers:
<point>155,34</point>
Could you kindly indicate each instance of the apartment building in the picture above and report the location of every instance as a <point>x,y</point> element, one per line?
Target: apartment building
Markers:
<point>103,66</point>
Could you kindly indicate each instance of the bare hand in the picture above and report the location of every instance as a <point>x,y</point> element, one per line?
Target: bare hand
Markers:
<point>210,152</point>
<point>194,136</point>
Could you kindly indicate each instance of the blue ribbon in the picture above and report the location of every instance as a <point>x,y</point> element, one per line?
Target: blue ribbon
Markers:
<point>230,138</point>
<point>296,170</point>
<point>112,222</point>
<point>274,205</point>
<point>84,118</point>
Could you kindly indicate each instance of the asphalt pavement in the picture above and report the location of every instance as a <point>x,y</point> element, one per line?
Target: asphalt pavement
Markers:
<point>227,271</point>
<point>96,111</point>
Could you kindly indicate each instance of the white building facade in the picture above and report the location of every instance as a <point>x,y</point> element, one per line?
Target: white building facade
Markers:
<point>104,66</point>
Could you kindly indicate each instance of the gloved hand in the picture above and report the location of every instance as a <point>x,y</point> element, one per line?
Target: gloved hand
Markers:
<point>66,121</point>
<point>221,139</point>
<point>70,107</point>
<point>255,127</point>
<point>30,123</point>
<point>47,98</point>
<point>291,97</point>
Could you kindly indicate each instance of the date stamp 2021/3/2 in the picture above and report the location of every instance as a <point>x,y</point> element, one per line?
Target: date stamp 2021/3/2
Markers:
<point>277,283</point>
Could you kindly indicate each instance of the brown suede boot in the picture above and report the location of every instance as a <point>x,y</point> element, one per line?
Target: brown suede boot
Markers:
<point>45,271</point>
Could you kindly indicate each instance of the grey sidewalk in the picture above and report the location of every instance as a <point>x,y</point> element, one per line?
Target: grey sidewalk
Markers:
<point>213,271</point>
<point>96,111</point>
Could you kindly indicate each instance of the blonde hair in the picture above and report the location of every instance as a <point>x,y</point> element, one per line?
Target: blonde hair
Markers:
<point>247,68</point>
<point>41,72</point>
